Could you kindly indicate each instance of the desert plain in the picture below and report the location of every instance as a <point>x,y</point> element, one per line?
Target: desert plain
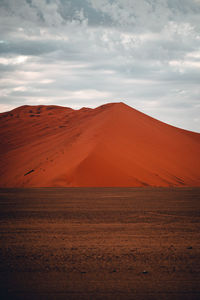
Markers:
<point>100,243</point>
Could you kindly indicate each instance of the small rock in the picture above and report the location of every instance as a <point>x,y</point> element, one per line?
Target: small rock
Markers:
<point>145,272</point>
<point>189,248</point>
<point>113,271</point>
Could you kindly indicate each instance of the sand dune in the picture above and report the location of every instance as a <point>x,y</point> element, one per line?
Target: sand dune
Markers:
<point>112,145</point>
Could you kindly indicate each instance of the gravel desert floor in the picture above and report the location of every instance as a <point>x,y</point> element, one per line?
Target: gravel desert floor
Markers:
<point>100,243</point>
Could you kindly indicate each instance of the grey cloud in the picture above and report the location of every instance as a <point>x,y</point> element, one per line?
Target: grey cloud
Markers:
<point>80,10</point>
<point>148,15</point>
<point>24,47</point>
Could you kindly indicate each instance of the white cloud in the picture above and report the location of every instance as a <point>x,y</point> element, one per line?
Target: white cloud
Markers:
<point>20,89</point>
<point>13,60</point>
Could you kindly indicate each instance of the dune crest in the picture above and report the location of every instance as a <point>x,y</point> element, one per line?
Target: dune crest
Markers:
<point>111,145</point>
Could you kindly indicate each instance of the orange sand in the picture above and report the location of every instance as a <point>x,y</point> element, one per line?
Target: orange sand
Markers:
<point>112,145</point>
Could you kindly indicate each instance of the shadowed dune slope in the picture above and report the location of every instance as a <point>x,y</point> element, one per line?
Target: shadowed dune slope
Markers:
<point>112,145</point>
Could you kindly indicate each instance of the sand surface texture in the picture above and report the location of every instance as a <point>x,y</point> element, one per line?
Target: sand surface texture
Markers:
<point>112,145</point>
<point>100,243</point>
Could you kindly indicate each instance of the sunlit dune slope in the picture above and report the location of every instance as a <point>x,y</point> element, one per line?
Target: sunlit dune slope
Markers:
<point>112,145</point>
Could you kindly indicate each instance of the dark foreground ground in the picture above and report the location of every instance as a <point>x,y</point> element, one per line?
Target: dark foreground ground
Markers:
<point>100,243</point>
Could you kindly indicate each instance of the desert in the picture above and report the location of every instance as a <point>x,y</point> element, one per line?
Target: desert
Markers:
<point>100,150</point>
<point>98,203</point>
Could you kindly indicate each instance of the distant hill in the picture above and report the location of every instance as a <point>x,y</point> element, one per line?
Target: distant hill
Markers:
<point>111,145</point>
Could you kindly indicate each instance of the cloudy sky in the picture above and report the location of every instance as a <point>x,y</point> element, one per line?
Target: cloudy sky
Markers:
<point>77,53</point>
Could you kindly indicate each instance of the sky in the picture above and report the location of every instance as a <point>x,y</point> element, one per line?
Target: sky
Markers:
<point>75,53</point>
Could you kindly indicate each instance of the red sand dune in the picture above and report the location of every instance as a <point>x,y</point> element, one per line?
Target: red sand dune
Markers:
<point>112,145</point>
